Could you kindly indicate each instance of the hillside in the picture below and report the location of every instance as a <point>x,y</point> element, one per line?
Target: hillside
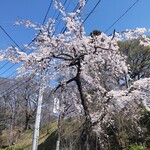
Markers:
<point>24,140</point>
<point>47,139</point>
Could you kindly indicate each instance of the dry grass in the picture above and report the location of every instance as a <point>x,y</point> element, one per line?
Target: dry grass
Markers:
<point>24,142</point>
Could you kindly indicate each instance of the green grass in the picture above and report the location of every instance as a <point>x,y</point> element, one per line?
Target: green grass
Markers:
<point>137,147</point>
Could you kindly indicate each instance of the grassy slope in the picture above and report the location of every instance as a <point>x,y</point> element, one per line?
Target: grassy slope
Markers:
<point>25,140</point>
<point>48,138</point>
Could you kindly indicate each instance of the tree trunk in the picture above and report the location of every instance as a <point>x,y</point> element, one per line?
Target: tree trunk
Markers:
<point>85,134</point>
<point>27,115</point>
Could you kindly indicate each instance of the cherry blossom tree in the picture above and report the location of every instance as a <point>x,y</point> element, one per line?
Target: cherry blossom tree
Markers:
<point>92,64</point>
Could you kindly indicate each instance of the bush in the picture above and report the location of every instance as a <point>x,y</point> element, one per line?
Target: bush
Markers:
<point>137,147</point>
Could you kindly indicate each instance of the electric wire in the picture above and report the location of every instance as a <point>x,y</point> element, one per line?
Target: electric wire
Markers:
<point>11,90</point>
<point>10,38</point>
<point>91,11</point>
<point>45,17</point>
<point>122,16</point>
<point>18,85</point>
<point>4,65</point>
<point>8,35</point>
<point>112,24</point>
<point>7,69</point>
<point>59,15</point>
<point>50,5</point>
<point>14,87</point>
<point>65,28</point>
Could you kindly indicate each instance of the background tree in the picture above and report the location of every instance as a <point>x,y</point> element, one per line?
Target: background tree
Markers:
<point>138,57</point>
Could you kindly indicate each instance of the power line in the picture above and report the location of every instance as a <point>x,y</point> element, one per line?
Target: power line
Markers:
<point>122,15</point>
<point>4,65</point>
<point>10,89</point>
<point>91,11</point>
<point>28,43</point>
<point>57,18</point>
<point>59,15</point>
<point>10,38</point>
<point>76,7</point>
<point>45,17</point>
<point>23,49</point>
<point>8,69</point>
<point>8,35</point>
<point>47,12</point>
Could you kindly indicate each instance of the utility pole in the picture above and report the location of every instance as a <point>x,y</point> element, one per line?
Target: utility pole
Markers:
<point>38,112</point>
<point>57,111</point>
<point>59,131</point>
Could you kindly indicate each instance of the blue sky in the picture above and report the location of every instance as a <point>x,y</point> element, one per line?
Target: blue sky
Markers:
<point>104,15</point>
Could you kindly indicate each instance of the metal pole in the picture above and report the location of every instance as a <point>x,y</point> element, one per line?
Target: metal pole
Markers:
<point>59,130</point>
<point>38,113</point>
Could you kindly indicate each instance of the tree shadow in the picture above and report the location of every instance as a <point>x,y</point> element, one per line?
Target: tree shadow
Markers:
<point>49,143</point>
